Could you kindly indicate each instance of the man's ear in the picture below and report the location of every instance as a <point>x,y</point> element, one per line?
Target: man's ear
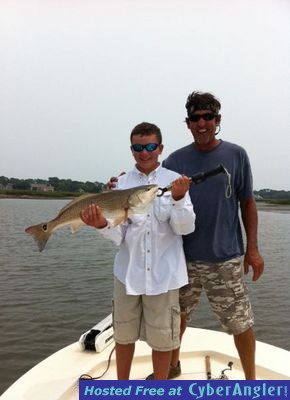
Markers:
<point>187,122</point>
<point>161,147</point>
<point>218,124</point>
<point>218,119</point>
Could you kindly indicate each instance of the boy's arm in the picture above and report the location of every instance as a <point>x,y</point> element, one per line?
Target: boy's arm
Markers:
<point>93,217</point>
<point>179,187</point>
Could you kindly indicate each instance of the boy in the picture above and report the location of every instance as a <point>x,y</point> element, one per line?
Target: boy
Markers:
<point>150,266</point>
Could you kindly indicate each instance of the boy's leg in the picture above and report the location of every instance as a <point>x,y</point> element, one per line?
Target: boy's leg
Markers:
<point>161,329</point>
<point>124,357</point>
<point>189,296</point>
<point>176,352</point>
<point>127,313</point>
<point>161,362</point>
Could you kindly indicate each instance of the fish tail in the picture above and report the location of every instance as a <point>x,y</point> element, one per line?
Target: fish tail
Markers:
<point>41,233</point>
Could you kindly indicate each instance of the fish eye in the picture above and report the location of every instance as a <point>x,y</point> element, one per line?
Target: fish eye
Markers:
<point>44,227</point>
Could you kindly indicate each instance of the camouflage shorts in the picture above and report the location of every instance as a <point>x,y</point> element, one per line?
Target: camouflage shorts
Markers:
<point>225,290</point>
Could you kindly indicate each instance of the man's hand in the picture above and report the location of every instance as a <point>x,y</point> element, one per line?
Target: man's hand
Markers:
<point>255,260</point>
<point>113,180</point>
<point>93,216</point>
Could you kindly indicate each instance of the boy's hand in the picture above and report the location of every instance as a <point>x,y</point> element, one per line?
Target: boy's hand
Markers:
<point>179,187</point>
<point>93,216</point>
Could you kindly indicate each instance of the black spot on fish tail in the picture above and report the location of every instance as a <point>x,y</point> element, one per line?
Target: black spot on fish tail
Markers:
<point>40,234</point>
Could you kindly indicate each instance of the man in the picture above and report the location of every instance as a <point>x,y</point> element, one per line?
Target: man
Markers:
<point>150,266</point>
<point>214,250</point>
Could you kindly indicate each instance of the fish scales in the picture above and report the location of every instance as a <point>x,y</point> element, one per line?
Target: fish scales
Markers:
<point>111,205</point>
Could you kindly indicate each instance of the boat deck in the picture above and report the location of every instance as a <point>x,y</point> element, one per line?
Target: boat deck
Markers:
<point>57,376</point>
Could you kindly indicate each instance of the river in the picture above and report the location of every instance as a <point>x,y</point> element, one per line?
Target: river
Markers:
<point>48,299</point>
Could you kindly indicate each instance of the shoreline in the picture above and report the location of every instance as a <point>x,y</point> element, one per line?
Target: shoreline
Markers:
<point>261,205</point>
<point>27,197</point>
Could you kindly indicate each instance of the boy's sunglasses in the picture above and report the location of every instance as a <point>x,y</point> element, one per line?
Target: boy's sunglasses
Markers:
<point>197,117</point>
<point>148,147</point>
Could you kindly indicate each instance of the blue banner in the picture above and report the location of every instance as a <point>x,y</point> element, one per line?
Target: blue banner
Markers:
<point>184,390</point>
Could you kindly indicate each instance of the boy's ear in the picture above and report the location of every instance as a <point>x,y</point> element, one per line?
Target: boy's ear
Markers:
<point>187,121</point>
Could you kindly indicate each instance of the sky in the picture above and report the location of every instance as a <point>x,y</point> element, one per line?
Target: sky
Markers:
<point>77,75</point>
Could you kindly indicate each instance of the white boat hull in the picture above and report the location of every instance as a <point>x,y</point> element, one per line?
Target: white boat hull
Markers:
<point>57,376</point>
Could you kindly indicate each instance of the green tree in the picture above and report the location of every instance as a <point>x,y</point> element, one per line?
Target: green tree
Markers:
<point>4,180</point>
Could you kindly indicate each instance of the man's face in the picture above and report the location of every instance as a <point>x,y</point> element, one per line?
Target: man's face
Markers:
<point>146,160</point>
<point>203,125</point>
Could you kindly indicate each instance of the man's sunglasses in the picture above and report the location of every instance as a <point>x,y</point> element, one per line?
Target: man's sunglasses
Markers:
<point>148,147</point>
<point>206,117</point>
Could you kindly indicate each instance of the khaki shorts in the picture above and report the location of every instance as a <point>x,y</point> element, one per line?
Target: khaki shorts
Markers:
<point>225,290</point>
<point>154,319</point>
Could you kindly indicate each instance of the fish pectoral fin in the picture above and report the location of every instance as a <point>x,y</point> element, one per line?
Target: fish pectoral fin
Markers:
<point>75,225</point>
<point>119,220</point>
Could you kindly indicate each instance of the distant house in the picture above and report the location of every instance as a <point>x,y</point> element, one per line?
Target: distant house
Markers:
<point>9,186</point>
<point>41,187</point>
<point>2,186</point>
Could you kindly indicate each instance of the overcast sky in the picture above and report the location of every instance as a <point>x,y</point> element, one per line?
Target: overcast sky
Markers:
<point>77,75</point>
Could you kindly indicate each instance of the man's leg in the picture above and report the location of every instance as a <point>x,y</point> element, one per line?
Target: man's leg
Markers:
<point>229,300</point>
<point>246,344</point>
<point>124,357</point>
<point>161,362</point>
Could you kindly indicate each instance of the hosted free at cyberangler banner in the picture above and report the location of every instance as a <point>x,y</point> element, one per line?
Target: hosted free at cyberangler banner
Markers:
<point>184,390</point>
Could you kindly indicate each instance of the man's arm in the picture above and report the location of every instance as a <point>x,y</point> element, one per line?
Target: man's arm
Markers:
<point>252,256</point>
<point>112,183</point>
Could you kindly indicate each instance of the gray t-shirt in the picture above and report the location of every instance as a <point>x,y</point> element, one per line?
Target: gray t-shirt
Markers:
<point>217,236</point>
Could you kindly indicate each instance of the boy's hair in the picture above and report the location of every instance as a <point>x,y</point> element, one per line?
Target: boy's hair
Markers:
<point>146,129</point>
<point>202,101</point>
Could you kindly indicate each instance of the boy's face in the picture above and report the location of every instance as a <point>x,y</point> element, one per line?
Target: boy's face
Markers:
<point>146,161</point>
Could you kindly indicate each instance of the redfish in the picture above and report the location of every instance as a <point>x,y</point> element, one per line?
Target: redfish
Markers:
<point>116,205</point>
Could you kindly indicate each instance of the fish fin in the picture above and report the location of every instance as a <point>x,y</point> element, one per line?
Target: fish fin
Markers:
<point>116,222</point>
<point>41,233</point>
<point>76,200</point>
<point>119,220</point>
<point>75,225</point>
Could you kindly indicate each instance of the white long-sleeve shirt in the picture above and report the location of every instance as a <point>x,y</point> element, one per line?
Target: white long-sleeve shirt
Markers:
<point>151,259</point>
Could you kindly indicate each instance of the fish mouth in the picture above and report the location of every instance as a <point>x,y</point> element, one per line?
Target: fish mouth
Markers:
<point>155,190</point>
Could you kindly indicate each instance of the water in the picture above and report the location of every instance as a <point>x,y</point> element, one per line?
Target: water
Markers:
<point>48,299</point>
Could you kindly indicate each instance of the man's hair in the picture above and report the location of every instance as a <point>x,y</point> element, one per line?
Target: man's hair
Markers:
<point>146,129</point>
<point>202,101</point>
